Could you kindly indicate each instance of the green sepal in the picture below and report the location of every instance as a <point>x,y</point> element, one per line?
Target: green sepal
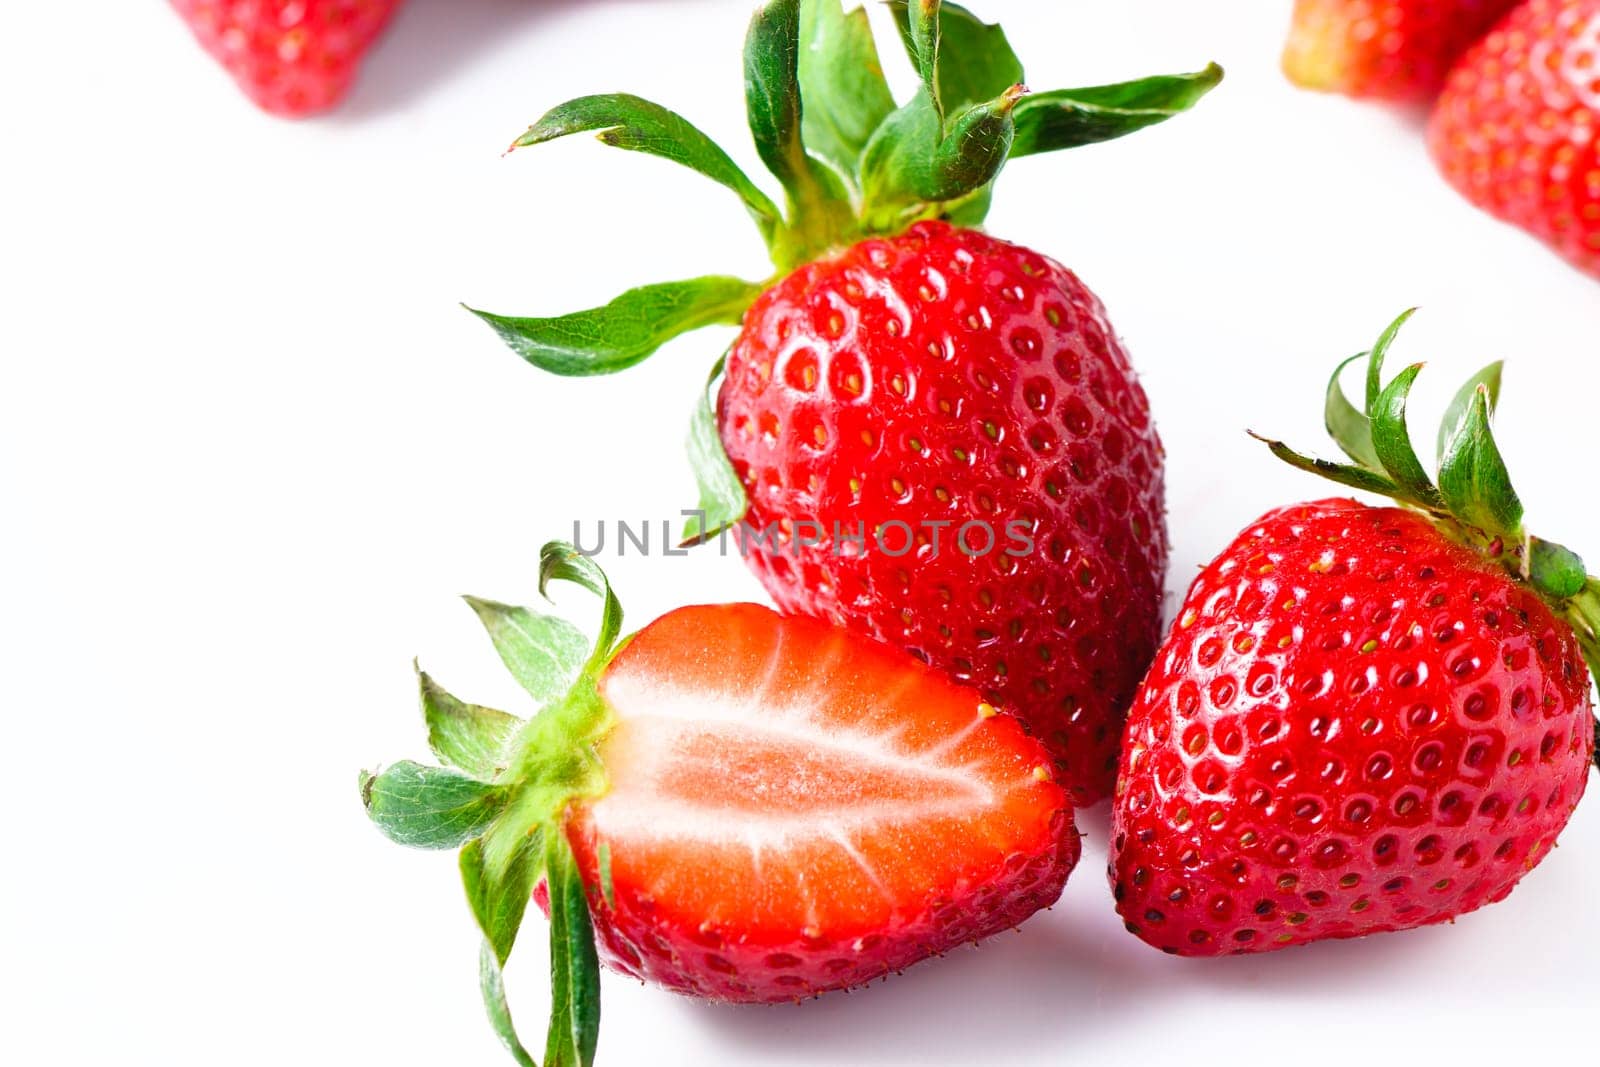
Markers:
<point>900,151</point>
<point>465,736</point>
<point>491,983</point>
<point>512,830</point>
<point>1391,440</point>
<point>951,140</point>
<point>974,148</point>
<point>638,125</point>
<point>842,85</point>
<point>1474,503</point>
<point>772,89</point>
<point>973,61</point>
<point>543,653</point>
<point>1555,570</point>
<point>574,963</point>
<point>429,807</point>
<point>1349,427</point>
<point>820,214</point>
<point>1473,478</point>
<point>722,497</point>
<point>1070,118</point>
<point>852,164</point>
<point>1380,351</point>
<point>498,892</point>
<point>935,148</point>
<point>1455,416</point>
<point>909,164</point>
<point>560,561</point>
<point>1343,473</point>
<point>631,328</point>
<point>922,35</point>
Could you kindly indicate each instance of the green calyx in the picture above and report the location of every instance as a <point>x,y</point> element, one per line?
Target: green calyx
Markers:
<point>1471,497</point>
<point>851,164</point>
<point>501,797</point>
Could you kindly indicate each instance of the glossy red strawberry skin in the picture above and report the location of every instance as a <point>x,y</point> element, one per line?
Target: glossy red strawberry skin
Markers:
<point>1514,130</point>
<point>1398,50</point>
<point>827,900</point>
<point>1354,726</point>
<point>715,962</point>
<point>291,57</point>
<point>946,376</point>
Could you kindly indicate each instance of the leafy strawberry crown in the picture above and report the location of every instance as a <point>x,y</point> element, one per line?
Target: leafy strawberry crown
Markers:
<point>502,794</point>
<point>1471,498</point>
<point>850,162</point>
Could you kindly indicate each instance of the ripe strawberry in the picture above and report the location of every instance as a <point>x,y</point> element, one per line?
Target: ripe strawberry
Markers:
<point>1514,129</point>
<point>732,804</point>
<point>794,810</point>
<point>1388,49</point>
<point>935,437</point>
<point>292,57</point>
<point>1364,718</point>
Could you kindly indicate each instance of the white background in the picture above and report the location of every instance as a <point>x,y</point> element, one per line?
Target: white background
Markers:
<point>252,450</point>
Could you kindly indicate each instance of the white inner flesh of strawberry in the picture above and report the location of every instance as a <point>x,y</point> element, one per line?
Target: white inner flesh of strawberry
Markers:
<point>720,766</point>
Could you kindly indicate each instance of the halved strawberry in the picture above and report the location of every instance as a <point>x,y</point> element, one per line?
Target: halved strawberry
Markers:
<point>793,809</point>
<point>735,805</point>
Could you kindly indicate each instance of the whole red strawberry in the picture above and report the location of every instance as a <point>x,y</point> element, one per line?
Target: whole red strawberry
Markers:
<point>1514,129</point>
<point>292,57</point>
<point>1364,718</point>
<point>935,436</point>
<point>731,804</point>
<point>1387,49</point>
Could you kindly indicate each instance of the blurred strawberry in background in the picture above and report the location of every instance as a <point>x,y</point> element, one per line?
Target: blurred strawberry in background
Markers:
<point>1515,88</point>
<point>1514,130</point>
<point>1387,49</point>
<point>292,57</point>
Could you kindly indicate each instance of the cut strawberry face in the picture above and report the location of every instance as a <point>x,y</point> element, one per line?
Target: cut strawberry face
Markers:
<point>735,805</point>
<point>795,810</point>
